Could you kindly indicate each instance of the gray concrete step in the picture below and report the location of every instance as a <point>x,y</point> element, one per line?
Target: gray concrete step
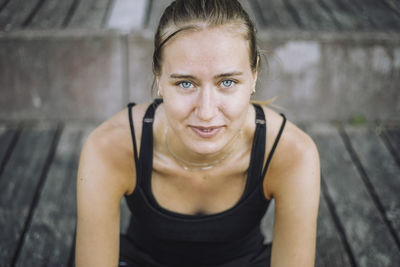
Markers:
<point>85,59</point>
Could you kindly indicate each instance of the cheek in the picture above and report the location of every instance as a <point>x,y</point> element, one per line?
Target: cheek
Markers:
<point>235,108</point>
<point>177,108</point>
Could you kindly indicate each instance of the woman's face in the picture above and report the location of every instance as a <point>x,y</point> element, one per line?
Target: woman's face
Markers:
<point>206,82</point>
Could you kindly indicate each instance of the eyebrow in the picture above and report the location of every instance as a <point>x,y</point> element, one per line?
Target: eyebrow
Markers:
<point>185,76</point>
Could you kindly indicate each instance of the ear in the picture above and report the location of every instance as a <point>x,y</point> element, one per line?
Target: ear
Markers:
<point>159,89</point>
<point>254,82</point>
<point>255,73</point>
<point>255,76</point>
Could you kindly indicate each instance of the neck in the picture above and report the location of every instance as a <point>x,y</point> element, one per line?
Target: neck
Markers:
<point>190,160</point>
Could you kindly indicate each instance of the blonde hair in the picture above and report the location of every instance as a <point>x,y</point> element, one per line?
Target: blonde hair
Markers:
<point>182,15</point>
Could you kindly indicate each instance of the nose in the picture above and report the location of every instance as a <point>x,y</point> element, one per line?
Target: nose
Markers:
<point>206,108</point>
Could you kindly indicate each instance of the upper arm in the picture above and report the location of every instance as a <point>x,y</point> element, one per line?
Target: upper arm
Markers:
<point>296,190</point>
<point>100,187</point>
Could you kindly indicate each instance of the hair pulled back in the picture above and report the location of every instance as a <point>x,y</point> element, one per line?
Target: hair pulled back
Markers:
<point>196,14</point>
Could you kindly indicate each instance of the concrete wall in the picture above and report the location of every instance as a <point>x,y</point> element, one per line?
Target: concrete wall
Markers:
<point>48,75</point>
<point>334,77</point>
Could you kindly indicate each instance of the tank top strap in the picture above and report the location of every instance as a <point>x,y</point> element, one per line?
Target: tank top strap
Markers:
<point>145,162</point>
<point>135,154</point>
<point>274,145</point>
<point>257,150</point>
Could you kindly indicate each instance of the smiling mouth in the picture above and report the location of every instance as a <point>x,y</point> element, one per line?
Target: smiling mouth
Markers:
<point>206,132</point>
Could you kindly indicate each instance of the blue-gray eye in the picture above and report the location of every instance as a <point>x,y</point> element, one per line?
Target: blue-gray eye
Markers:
<point>227,83</point>
<point>185,84</point>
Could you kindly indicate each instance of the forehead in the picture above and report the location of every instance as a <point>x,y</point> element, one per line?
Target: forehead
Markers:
<point>217,49</point>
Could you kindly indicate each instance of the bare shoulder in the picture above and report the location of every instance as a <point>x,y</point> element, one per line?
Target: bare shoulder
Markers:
<point>107,154</point>
<point>296,159</point>
<point>106,172</point>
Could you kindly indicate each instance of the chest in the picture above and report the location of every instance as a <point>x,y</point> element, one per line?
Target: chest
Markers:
<point>189,192</point>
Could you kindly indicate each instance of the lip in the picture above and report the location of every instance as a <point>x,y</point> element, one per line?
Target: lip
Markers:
<point>206,132</point>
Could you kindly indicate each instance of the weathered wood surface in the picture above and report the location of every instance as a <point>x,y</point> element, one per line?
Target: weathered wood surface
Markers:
<point>37,197</point>
<point>125,216</point>
<point>381,173</point>
<point>369,240</point>
<point>351,16</point>
<point>52,14</point>
<point>50,235</point>
<point>15,13</point>
<point>311,15</point>
<point>394,5</point>
<point>19,184</point>
<point>7,134</point>
<point>273,14</point>
<point>3,3</point>
<point>330,251</point>
<point>267,223</point>
<point>380,15</point>
<point>90,14</point>
<point>392,135</point>
<point>330,15</point>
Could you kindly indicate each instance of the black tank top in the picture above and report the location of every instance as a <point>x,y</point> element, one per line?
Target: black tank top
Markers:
<point>161,237</point>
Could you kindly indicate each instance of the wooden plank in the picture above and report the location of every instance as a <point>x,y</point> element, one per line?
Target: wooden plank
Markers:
<point>125,216</point>
<point>50,235</point>
<point>382,17</point>
<point>369,239</point>
<point>330,249</point>
<point>127,15</point>
<point>51,15</point>
<point>14,14</point>
<point>343,13</point>
<point>267,223</point>
<point>90,14</point>
<point>359,13</point>
<point>394,5</point>
<point>394,137</point>
<point>274,14</point>
<point>7,133</point>
<point>18,184</point>
<point>392,134</point>
<point>382,173</point>
<point>3,3</point>
<point>313,16</point>
<point>155,12</point>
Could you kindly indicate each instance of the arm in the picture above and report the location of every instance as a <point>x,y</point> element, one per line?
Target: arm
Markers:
<point>100,187</point>
<point>295,185</point>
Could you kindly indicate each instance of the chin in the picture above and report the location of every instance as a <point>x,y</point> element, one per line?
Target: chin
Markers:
<point>208,147</point>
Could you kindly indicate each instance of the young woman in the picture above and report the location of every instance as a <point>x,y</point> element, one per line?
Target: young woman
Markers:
<point>199,166</point>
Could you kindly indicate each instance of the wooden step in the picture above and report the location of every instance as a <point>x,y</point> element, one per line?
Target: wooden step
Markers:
<point>358,213</point>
